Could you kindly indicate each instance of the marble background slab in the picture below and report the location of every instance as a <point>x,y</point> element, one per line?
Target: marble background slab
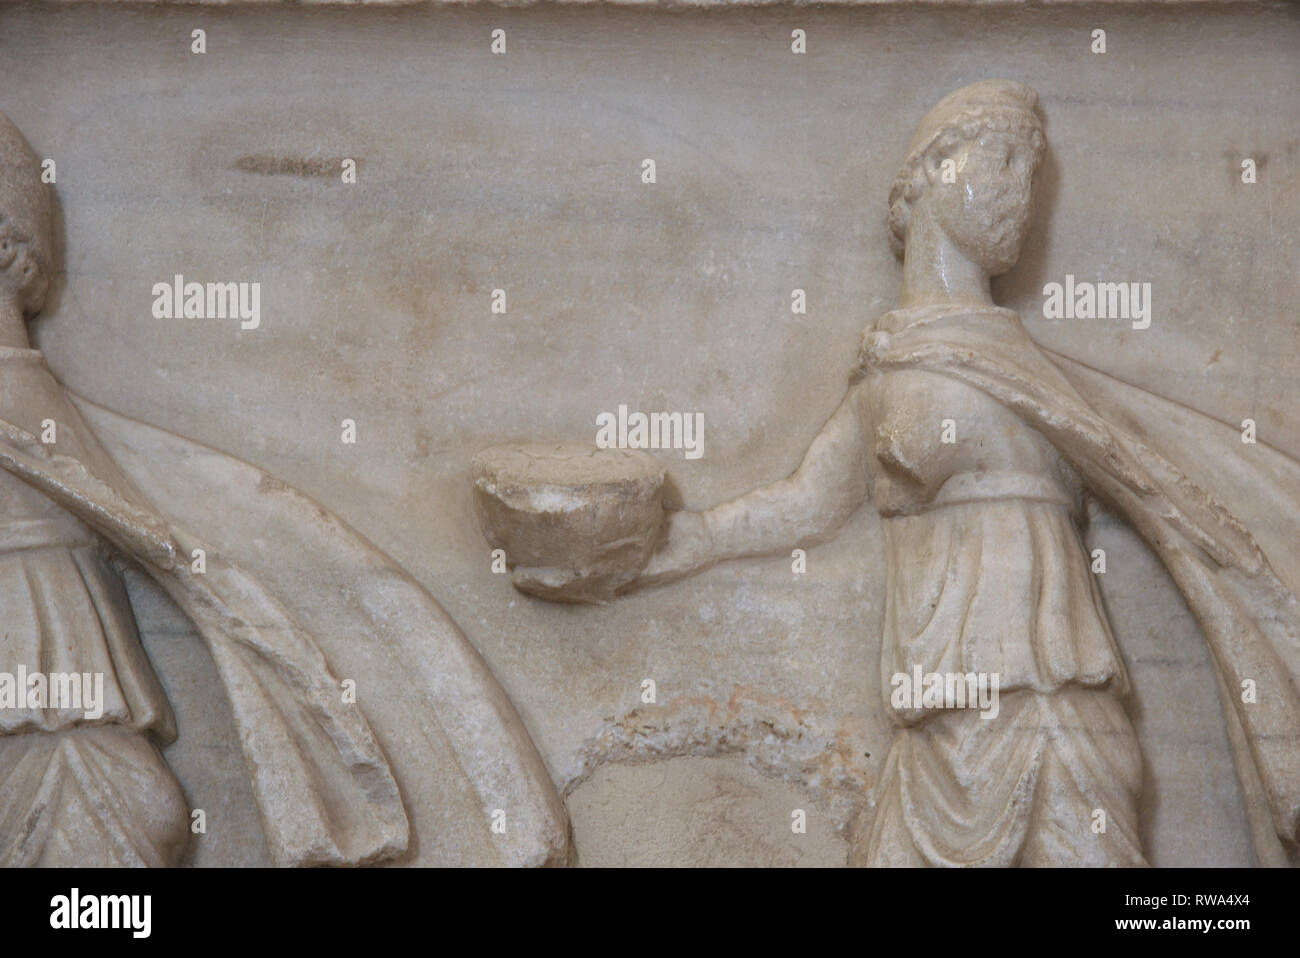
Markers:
<point>522,172</point>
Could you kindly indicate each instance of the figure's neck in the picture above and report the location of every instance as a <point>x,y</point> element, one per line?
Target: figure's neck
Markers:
<point>935,272</point>
<point>13,327</point>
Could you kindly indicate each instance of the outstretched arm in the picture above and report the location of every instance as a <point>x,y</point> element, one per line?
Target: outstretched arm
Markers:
<point>806,508</point>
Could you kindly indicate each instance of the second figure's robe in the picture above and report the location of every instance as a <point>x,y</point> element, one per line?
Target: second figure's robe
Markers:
<point>987,574</point>
<point>1222,515</point>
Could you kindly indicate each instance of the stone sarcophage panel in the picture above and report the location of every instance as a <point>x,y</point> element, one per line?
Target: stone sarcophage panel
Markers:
<point>574,434</point>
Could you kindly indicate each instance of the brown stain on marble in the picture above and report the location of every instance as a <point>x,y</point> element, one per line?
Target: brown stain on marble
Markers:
<point>743,723</point>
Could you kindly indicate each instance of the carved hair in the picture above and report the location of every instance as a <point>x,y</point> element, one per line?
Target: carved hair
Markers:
<point>960,118</point>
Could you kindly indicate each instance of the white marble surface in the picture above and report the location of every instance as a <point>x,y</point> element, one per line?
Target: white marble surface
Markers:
<point>522,172</point>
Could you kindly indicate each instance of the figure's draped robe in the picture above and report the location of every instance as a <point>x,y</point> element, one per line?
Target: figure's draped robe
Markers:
<point>65,610</point>
<point>987,573</point>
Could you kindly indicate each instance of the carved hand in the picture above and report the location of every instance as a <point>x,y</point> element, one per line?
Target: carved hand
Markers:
<point>687,548</point>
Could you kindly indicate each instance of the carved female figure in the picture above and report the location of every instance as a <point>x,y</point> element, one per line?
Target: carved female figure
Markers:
<point>976,446</point>
<point>986,569</point>
<point>78,789</point>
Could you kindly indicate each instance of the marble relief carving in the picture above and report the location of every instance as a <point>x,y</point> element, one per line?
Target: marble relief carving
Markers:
<point>276,585</point>
<point>390,701</point>
<point>979,449</point>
